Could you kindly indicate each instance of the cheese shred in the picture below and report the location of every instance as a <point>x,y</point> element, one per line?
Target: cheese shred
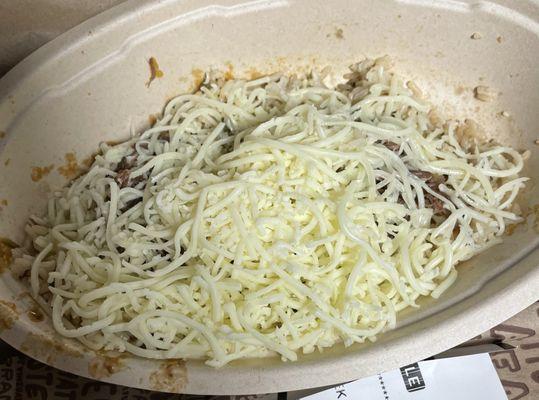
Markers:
<point>276,216</point>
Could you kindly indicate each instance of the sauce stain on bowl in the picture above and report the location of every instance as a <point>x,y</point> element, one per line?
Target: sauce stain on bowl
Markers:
<point>35,315</point>
<point>71,167</point>
<point>47,348</point>
<point>6,256</point>
<point>39,173</point>
<point>8,315</point>
<point>104,366</point>
<point>170,377</point>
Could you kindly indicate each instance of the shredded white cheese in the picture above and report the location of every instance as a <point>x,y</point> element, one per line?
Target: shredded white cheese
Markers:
<point>276,216</point>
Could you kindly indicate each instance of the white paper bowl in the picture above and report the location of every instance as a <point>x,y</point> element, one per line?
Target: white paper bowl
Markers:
<point>89,85</point>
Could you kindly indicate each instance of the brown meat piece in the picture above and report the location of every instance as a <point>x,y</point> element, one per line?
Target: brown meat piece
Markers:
<point>122,178</point>
<point>423,175</point>
<point>392,146</point>
<point>130,204</point>
<point>432,181</point>
<point>135,181</point>
<point>127,162</point>
<point>124,169</point>
<point>163,253</point>
<point>436,204</point>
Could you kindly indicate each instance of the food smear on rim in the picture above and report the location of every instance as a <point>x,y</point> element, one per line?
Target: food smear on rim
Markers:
<point>171,376</point>
<point>155,71</point>
<point>8,315</point>
<point>104,366</point>
<point>35,314</point>
<point>6,254</point>
<point>47,348</point>
<point>198,78</point>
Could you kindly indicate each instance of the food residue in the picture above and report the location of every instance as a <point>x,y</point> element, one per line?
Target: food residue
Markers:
<point>198,76</point>
<point>510,229</point>
<point>254,74</point>
<point>3,203</point>
<point>170,377</point>
<point>35,314</point>
<point>155,72</point>
<point>8,315</point>
<point>39,172</point>
<point>6,163</point>
<point>88,161</point>
<point>504,114</point>
<point>537,142</point>
<point>469,131</point>
<point>459,90</point>
<point>47,348</point>
<point>339,33</point>
<point>6,256</point>
<point>535,211</point>
<point>229,73</point>
<point>2,134</point>
<point>71,168</point>
<point>484,93</point>
<point>104,366</point>
<point>434,118</point>
<point>499,39</point>
<point>476,35</point>
<point>414,89</point>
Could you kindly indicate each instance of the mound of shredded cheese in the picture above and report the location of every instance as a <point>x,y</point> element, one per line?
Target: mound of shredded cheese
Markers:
<point>276,216</point>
